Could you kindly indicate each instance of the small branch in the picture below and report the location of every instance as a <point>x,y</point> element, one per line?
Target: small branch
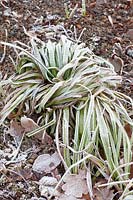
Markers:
<point>4,54</point>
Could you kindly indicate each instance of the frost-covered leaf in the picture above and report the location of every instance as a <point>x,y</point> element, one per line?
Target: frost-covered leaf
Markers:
<point>45,163</point>
<point>103,194</point>
<point>46,180</point>
<point>75,185</point>
<point>47,185</point>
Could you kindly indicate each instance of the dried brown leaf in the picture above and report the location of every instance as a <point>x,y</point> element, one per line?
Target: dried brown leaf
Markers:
<point>117,62</point>
<point>28,124</point>
<point>16,130</point>
<point>128,130</point>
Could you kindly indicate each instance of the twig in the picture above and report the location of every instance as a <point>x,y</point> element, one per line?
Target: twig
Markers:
<point>73,11</point>
<point>4,54</point>
<point>84,29</point>
<point>89,182</point>
<point>115,183</point>
<point>57,141</point>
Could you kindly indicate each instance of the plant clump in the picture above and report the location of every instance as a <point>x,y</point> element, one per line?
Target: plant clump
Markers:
<point>74,93</point>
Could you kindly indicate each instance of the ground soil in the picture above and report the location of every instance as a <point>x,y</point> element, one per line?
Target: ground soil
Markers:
<point>106,23</point>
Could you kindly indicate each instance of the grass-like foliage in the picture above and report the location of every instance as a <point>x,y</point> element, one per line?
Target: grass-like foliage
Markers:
<point>74,92</point>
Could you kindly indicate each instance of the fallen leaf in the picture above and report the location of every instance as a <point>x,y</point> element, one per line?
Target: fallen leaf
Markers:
<point>45,163</point>
<point>86,197</point>
<point>117,62</point>
<point>103,194</point>
<point>47,139</point>
<point>28,124</point>
<point>47,185</point>
<point>75,185</point>
<point>128,130</point>
<point>49,181</point>
<point>16,130</point>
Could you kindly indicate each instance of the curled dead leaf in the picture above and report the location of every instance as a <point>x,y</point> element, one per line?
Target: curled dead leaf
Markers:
<point>28,124</point>
<point>117,62</point>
